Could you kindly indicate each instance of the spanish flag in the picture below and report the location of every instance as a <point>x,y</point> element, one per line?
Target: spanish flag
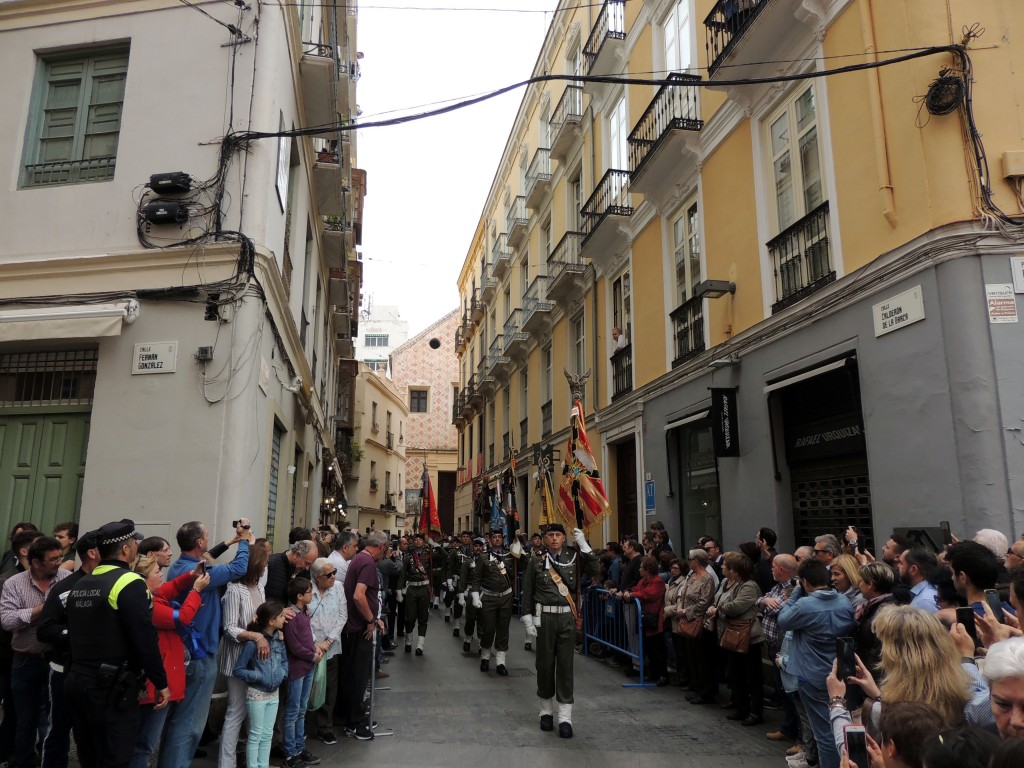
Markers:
<point>581,494</point>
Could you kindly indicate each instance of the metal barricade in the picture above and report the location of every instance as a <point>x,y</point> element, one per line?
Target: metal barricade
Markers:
<point>616,624</point>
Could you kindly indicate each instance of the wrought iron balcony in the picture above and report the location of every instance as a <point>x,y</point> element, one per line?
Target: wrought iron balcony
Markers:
<point>474,396</point>
<point>536,307</point>
<point>688,330</point>
<point>622,372</point>
<point>467,406</point>
<point>499,362</point>
<point>673,109</point>
<point>565,267</point>
<point>460,338</point>
<point>515,338</point>
<point>563,127</point>
<point>488,284</point>
<point>726,25</point>
<point>485,378</point>
<point>516,221</point>
<point>545,420</point>
<point>538,178</point>
<point>610,200</point>
<point>501,256</point>
<point>476,310</point>
<point>801,258</point>
<point>606,38</point>
<point>457,418</point>
<point>389,440</point>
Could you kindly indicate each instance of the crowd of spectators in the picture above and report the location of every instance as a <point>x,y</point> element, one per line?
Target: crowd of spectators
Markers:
<point>920,648</point>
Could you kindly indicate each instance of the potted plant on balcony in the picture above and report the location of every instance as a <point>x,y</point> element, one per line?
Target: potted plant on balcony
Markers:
<point>355,453</point>
<point>373,485</point>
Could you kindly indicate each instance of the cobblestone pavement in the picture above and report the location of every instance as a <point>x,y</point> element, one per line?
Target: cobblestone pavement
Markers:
<point>445,712</point>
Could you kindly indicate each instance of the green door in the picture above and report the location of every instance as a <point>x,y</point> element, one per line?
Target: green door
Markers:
<point>42,467</point>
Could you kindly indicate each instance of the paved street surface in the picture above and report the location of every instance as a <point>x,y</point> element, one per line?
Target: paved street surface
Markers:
<point>445,712</point>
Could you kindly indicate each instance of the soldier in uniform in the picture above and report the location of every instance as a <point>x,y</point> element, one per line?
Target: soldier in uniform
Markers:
<point>491,592</point>
<point>456,557</point>
<point>466,576</point>
<point>414,590</point>
<point>109,616</point>
<point>551,584</point>
<point>536,550</point>
<point>438,573</point>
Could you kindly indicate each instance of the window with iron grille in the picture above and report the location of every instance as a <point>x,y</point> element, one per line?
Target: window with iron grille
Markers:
<point>58,377</point>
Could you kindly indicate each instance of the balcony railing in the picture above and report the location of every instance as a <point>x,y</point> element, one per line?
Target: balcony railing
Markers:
<point>622,372</point>
<point>673,108</point>
<point>389,440</point>
<point>69,171</point>
<point>496,353</point>
<point>514,337</point>
<point>610,25</point>
<point>610,198</point>
<point>538,177</point>
<point>801,258</point>
<point>488,283</point>
<point>524,434</point>
<point>501,256</point>
<point>535,303</point>
<point>516,220</point>
<point>564,265</point>
<point>473,395</point>
<point>568,114</point>
<point>726,23</point>
<point>476,309</point>
<point>545,420</point>
<point>688,330</point>
<point>457,418</point>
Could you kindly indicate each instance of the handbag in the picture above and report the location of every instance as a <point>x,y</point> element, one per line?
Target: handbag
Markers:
<point>318,690</point>
<point>690,628</point>
<point>736,637</point>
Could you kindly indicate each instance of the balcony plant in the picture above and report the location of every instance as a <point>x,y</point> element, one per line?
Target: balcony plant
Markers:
<point>373,485</point>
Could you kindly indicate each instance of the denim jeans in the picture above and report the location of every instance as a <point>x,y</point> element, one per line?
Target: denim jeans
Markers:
<point>151,725</point>
<point>262,715</point>
<point>57,743</point>
<point>186,721</point>
<point>815,701</point>
<point>29,684</point>
<point>293,729</point>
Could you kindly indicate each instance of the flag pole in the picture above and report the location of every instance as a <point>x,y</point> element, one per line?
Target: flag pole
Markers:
<point>577,387</point>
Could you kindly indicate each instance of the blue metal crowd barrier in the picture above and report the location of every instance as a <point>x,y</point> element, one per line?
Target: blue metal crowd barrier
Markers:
<point>616,624</point>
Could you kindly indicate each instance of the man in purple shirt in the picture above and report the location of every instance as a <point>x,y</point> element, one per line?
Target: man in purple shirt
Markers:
<point>362,593</point>
<point>20,606</point>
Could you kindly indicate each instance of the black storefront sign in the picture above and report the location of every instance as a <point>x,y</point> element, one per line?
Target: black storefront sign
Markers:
<point>725,423</point>
<point>839,435</point>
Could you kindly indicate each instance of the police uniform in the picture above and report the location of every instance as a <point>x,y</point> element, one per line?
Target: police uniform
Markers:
<point>414,584</point>
<point>491,591</point>
<point>114,648</point>
<point>549,602</point>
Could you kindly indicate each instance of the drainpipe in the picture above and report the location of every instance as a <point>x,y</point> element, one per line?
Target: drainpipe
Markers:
<point>885,189</point>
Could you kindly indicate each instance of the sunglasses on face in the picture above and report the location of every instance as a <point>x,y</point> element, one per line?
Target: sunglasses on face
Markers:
<point>329,574</point>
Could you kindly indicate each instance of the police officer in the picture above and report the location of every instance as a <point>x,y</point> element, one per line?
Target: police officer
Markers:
<point>492,595</point>
<point>414,590</point>
<point>113,649</point>
<point>466,577</point>
<point>549,591</point>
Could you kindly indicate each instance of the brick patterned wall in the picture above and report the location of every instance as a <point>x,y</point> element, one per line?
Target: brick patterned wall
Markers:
<point>416,365</point>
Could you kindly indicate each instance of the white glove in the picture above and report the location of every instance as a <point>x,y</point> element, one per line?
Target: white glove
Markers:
<point>462,599</point>
<point>516,549</point>
<point>527,621</point>
<point>477,602</point>
<point>400,595</point>
<point>451,585</point>
<point>581,540</point>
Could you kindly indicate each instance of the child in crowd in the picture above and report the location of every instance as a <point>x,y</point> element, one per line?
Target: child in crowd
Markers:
<point>264,677</point>
<point>303,654</point>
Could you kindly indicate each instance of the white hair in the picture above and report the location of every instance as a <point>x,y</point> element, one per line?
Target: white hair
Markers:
<point>320,565</point>
<point>993,541</point>
<point>1005,659</point>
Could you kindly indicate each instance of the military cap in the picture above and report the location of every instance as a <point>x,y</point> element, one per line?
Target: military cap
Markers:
<point>555,528</point>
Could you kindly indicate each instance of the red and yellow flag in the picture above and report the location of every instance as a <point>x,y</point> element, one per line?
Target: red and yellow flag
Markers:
<point>581,494</point>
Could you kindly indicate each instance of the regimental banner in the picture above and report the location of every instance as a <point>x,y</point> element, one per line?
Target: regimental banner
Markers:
<point>725,425</point>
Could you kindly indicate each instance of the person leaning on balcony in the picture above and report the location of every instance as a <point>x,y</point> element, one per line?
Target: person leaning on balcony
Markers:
<point>619,338</point>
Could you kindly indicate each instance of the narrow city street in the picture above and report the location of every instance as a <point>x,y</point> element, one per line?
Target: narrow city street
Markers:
<point>445,712</point>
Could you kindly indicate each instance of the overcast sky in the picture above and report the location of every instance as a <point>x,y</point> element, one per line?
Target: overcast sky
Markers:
<point>427,180</point>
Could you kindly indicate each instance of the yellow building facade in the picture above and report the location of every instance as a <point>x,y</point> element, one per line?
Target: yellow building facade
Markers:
<point>801,219</point>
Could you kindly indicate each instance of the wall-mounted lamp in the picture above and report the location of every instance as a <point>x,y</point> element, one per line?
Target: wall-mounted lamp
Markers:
<point>713,289</point>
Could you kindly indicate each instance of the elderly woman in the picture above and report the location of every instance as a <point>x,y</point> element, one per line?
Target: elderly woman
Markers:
<point>845,572</point>
<point>691,605</point>
<point>328,613</point>
<point>738,604</point>
<point>238,605</point>
<point>677,574</point>
<point>650,591</point>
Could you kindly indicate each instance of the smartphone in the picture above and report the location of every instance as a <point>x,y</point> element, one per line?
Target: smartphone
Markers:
<point>202,567</point>
<point>966,616</point>
<point>947,534</point>
<point>846,663</point>
<point>856,745</point>
<point>992,598</point>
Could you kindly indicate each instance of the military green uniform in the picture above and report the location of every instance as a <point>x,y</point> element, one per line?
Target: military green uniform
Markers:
<point>493,581</point>
<point>456,558</point>
<point>469,568</point>
<point>556,635</point>
<point>438,569</point>
<point>414,580</point>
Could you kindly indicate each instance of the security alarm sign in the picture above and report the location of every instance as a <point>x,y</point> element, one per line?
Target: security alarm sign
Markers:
<point>1002,304</point>
<point>155,357</point>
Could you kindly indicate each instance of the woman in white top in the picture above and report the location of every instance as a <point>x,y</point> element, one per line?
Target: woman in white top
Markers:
<point>239,603</point>
<point>328,614</point>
